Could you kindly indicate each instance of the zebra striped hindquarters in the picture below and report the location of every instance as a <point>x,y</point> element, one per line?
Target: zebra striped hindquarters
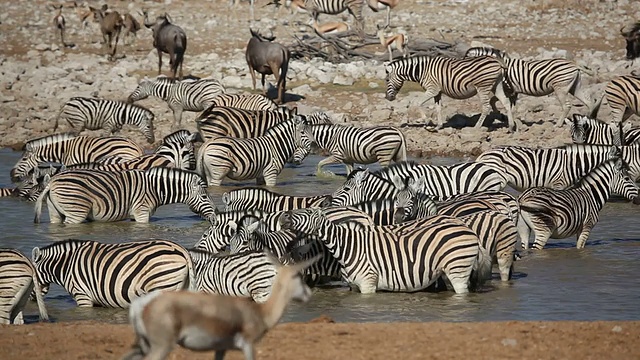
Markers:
<point>467,204</point>
<point>246,274</point>
<point>244,101</point>
<point>376,258</point>
<point>349,144</point>
<point>93,114</point>
<point>261,158</point>
<point>112,275</point>
<point>256,198</point>
<point>585,130</point>
<point>559,214</point>
<point>186,95</point>
<point>77,195</point>
<point>623,95</point>
<point>68,149</point>
<point>455,78</point>
<point>239,123</point>
<point>17,280</point>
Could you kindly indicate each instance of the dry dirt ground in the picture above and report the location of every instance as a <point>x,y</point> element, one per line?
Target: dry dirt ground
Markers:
<point>322,340</point>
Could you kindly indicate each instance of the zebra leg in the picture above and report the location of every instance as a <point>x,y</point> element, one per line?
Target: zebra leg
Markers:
<point>565,103</point>
<point>177,117</point>
<point>141,214</point>
<point>584,235</point>
<point>505,264</point>
<point>55,217</point>
<point>524,231</point>
<point>332,159</point>
<point>485,102</point>
<point>514,123</point>
<point>82,300</point>
<point>220,354</point>
<point>437,98</point>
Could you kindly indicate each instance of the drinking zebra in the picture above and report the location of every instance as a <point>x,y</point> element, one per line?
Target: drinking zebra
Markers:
<point>623,95</point>
<point>455,78</point>
<point>93,114</point>
<point>246,274</point>
<point>6,192</point>
<point>112,275</point>
<point>537,78</point>
<point>69,149</point>
<point>558,214</point>
<point>17,280</point>
<point>257,198</point>
<point>261,158</point>
<point>334,7</point>
<point>349,144</point>
<point>379,259</point>
<point>585,130</point>
<point>187,95</point>
<point>77,195</point>
<point>31,186</point>
<point>384,211</point>
<point>246,102</point>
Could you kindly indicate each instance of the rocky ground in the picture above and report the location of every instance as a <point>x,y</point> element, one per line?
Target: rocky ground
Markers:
<point>39,75</point>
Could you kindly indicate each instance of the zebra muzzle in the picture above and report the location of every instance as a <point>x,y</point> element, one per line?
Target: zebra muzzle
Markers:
<point>636,200</point>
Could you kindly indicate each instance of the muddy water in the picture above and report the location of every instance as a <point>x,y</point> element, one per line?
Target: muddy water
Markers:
<point>558,283</point>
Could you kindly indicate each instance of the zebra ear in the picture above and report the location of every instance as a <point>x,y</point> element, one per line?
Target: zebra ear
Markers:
<point>225,198</point>
<point>417,185</point>
<point>361,175</point>
<point>253,226</point>
<point>387,66</point>
<point>232,224</point>
<point>35,254</point>
<point>397,182</point>
<point>294,110</point>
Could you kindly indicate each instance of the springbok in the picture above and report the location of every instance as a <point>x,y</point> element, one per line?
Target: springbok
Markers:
<point>397,41</point>
<point>377,5</point>
<point>330,27</point>
<point>59,22</point>
<point>203,322</point>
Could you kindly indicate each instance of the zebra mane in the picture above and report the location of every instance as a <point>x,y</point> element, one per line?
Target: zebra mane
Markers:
<point>47,140</point>
<point>611,162</point>
<point>200,255</point>
<point>172,173</point>
<point>177,137</point>
<point>588,148</point>
<point>68,243</point>
<point>402,166</point>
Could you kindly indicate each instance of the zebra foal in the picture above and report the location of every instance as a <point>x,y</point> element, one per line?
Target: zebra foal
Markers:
<point>112,275</point>
<point>559,214</point>
<point>349,144</point>
<point>77,195</point>
<point>266,200</point>
<point>186,95</point>
<point>93,114</point>
<point>455,78</point>
<point>17,280</point>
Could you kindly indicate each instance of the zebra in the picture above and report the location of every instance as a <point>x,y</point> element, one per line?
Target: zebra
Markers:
<point>266,200</point>
<point>350,144</point>
<point>93,114</point>
<point>261,158</point>
<point>17,280</point>
<point>218,236</point>
<point>466,204</point>
<point>537,78</point>
<point>382,211</point>
<point>6,192</point>
<point>246,274</point>
<point>456,78</point>
<point>334,7</point>
<point>587,130</point>
<point>76,195</point>
<point>69,149</point>
<point>623,95</point>
<point>562,213</point>
<point>112,275</point>
<point>246,102</point>
<point>187,95</point>
<point>32,185</point>
<point>381,259</point>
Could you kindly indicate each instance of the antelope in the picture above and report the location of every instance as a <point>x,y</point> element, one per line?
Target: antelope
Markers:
<point>330,27</point>
<point>377,5</point>
<point>83,13</point>
<point>110,26</point>
<point>131,27</point>
<point>170,39</point>
<point>295,6</point>
<point>203,322</point>
<point>59,22</point>
<point>396,41</point>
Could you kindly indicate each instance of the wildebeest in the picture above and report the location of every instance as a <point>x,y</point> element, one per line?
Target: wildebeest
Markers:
<point>267,57</point>
<point>170,39</point>
<point>633,40</point>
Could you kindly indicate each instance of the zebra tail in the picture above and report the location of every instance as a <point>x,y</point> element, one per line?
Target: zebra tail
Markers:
<point>39,202</point>
<point>540,212</point>
<point>200,161</point>
<point>482,271</point>
<point>586,70</point>
<point>403,151</point>
<point>44,316</point>
<point>593,112</point>
<point>191,277</point>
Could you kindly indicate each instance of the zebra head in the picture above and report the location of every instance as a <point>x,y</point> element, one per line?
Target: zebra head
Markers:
<point>412,199</point>
<point>303,141</point>
<point>622,184</point>
<point>142,91</point>
<point>215,239</point>
<point>28,162</point>
<point>242,239</point>
<point>178,147</point>
<point>585,130</point>
<point>186,187</point>
<point>353,190</point>
<point>631,157</point>
<point>393,80</point>
<point>146,126</point>
<point>308,221</point>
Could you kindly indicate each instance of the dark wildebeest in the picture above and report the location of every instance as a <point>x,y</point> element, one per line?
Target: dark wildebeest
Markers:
<point>170,39</point>
<point>267,57</point>
<point>633,40</point>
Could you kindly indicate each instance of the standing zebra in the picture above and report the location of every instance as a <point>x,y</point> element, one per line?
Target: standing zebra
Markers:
<point>562,213</point>
<point>334,7</point>
<point>112,275</point>
<point>266,200</point>
<point>244,101</point>
<point>585,130</point>
<point>349,144</point>
<point>76,195</point>
<point>17,280</point>
<point>31,186</point>
<point>261,158</point>
<point>623,95</point>
<point>537,78</point>
<point>456,78</point>
<point>68,149</point>
<point>466,204</point>
<point>92,114</point>
<point>187,95</point>
<point>379,259</point>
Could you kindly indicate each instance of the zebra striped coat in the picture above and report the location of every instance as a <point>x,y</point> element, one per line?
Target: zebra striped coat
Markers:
<point>561,213</point>
<point>455,78</point>
<point>112,275</point>
<point>93,114</point>
<point>261,158</point>
<point>466,204</point>
<point>257,198</point>
<point>76,195</point>
<point>349,144</point>
<point>68,149</point>
<point>247,274</point>
<point>31,186</point>
<point>246,102</point>
<point>623,95</point>
<point>537,78</point>
<point>585,130</point>
<point>17,280</point>
<point>6,192</point>
<point>378,259</point>
<point>187,95</point>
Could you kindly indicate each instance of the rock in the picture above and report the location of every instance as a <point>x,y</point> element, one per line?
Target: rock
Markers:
<point>343,80</point>
<point>42,47</point>
<point>617,329</point>
<point>233,81</point>
<point>380,115</point>
<point>509,342</point>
